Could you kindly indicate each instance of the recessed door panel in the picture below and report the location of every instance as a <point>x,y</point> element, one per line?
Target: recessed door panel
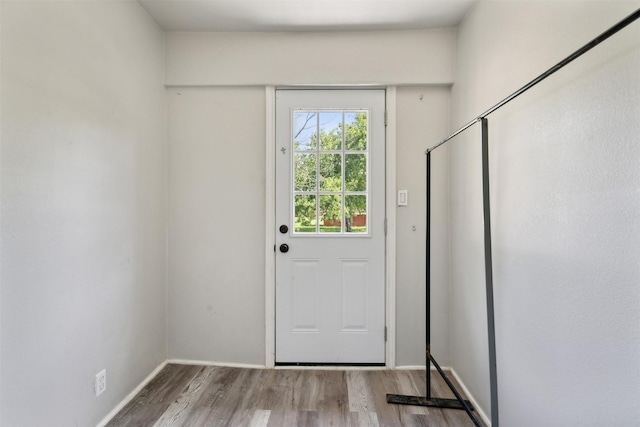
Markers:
<point>355,298</point>
<point>305,289</point>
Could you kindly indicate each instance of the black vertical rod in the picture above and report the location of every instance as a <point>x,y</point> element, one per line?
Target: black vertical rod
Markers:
<point>488,268</point>
<point>428,277</point>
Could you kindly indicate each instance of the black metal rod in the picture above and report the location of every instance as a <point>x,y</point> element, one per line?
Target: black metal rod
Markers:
<point>584,49</point>
<point>457,394</point>
<point>488,268</point>
<point>428,279</point>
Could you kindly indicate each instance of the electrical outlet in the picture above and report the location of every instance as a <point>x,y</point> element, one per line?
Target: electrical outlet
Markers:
<point>101,382</point>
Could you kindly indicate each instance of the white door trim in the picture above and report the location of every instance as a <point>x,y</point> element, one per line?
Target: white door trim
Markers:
<point>390,253</point>
<point>270,233</point>
<point>270,224</point>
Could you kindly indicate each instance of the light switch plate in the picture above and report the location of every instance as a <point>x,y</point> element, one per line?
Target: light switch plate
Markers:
<point>403,198</point>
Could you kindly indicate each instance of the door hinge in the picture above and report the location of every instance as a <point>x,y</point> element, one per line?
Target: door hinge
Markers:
<point>385,334</point>
<point>385,226</point>
<point>386,118</point>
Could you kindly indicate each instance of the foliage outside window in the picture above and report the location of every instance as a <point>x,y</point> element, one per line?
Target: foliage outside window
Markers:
<point>330,171</point>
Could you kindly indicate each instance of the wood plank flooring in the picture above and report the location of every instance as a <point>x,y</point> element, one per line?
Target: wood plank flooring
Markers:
<point>188,395</point>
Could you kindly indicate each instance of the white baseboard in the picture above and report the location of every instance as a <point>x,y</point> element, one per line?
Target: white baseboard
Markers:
<point>131,395</point>
<point>419,368</point>
<point>470,397</point>
<point>415,368</point>
<point>212,363</point>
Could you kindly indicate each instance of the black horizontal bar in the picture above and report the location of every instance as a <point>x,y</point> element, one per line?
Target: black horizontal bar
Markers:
<point>435,402</point>
<point>584,49</point>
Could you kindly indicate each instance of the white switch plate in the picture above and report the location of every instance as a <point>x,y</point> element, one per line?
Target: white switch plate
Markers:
<point>403,197</point>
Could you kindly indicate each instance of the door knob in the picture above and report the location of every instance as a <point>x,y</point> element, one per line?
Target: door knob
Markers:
<point>284,229</point>
<point>284,248</point>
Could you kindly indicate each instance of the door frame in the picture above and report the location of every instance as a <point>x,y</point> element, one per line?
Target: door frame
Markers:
<point>270,221</point>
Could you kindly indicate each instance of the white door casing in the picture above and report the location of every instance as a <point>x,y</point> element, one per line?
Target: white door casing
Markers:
<point>330,285</point>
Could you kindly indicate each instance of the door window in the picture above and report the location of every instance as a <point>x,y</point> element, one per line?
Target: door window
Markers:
<point>330,169</point>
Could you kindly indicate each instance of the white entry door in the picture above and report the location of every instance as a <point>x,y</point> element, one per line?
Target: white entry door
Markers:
<point>330,226</point>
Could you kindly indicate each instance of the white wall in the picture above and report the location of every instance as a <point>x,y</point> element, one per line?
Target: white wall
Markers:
<point>422,120</point>
<point>378,57</point>
<point>217,199</point>
<point>83,207</point>
<point>565,181</point>
<point>216,272</point>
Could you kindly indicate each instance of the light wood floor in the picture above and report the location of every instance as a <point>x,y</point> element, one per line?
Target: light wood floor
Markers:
<point>187,395</point>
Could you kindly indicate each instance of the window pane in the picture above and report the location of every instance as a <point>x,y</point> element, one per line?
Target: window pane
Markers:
<point>305,172</point>
<point>330,172</point>
<point>355,130</point>
<point>331,130</point>
<point>305,214</point>
<point>330,213</point>
<point>355,214</point>
<point>305,130</point>
<point>355,172</point>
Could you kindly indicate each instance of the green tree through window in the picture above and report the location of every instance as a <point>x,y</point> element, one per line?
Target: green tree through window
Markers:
<point>330,165</point>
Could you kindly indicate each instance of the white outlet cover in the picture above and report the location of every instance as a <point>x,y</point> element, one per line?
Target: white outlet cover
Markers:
<point>101,382</point>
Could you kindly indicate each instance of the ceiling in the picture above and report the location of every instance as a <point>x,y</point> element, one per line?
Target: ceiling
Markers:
<point>305,15</point>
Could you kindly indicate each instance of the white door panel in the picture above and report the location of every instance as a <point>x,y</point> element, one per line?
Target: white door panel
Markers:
<point>330,196</point>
